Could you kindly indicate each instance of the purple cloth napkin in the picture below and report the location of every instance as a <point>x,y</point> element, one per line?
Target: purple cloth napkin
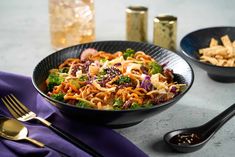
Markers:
<point>105,140</point>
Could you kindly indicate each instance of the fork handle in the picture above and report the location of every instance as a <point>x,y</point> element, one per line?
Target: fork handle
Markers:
<point>70,138</point>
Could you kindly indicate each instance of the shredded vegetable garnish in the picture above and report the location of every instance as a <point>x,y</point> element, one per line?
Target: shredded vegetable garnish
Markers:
<point>118,81</point>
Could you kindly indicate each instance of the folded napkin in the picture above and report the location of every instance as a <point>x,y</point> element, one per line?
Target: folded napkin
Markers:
<point>105,140</point>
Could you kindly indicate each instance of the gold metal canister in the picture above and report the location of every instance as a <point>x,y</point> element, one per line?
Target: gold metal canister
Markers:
<point>165,31</point>
<point>136,23</point>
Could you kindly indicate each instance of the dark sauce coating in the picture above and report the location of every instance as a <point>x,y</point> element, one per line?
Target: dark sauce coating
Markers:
<point>186,139</point>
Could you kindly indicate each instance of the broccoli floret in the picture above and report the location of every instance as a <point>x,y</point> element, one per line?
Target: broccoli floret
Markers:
<point>82,104</point>
<point>64,70</point>
<point>154,68</point>
<point>128,53</point>
<point>118,103</point>
<point>135,105</point>
<point>53,80</point>
<point>59,96</point>
<point>147,105</point>
<point>123,79</point>
<point>83,78</point>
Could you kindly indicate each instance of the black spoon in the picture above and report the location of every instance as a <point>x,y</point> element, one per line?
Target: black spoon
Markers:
<point>191,139</point>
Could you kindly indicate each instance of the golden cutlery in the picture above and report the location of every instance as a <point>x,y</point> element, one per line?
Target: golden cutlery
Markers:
<point>12,129</point>
<point>22,113</point>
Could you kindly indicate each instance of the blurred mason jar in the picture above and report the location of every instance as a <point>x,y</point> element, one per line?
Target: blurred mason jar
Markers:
<point>71,22</point>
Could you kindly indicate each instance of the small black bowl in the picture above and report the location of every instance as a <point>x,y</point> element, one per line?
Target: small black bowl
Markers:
<point>182,71</point>
<point>192,42</point>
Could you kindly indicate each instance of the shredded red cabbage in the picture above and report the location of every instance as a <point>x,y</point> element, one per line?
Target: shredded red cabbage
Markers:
<point>173,89</point>
<point>146,83</point>
<point>117,64</point>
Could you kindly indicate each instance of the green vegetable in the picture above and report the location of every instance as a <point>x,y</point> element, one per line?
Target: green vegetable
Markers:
<point>54,79</point>
<point>75,83</point>
<point>154,68</point>
<point>59,96</point>
<point>102,60</point>
<point>103,72</point>
<point>64,70</point>
<point>128,53</point>
<point>135,105</point>
<point>83,104</point>
<point>147,105</point>
<point>182,88</point>
<point>50,86</point>
<point>123,79</point>
<point>117,103</point>
<point>83,78</point>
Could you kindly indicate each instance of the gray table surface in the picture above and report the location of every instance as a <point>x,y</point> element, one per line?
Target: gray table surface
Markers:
<point>25,40</point>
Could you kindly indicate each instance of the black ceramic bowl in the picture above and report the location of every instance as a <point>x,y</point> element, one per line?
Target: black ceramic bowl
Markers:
<point>116,119</point>
<point>192,42</point>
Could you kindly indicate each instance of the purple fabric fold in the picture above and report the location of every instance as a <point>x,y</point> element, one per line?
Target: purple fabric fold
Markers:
<point>105,140</point>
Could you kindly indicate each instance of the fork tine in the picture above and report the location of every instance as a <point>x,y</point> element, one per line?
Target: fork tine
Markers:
<point>17,106</point>
<point>11,108</point>
<point>20,104</point>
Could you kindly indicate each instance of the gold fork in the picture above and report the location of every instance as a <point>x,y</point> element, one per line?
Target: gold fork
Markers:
<point>22,113</point>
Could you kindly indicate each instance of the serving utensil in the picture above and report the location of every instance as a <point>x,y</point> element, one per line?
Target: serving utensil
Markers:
<point>22,113</point>
<point>12,129</point>
<point>192,139</point>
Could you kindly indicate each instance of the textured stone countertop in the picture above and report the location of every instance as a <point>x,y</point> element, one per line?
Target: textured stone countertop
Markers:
<point>25,40</point>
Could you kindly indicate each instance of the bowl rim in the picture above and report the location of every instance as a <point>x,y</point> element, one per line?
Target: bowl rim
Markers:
<point>197,60</point>
<point>177,97</point>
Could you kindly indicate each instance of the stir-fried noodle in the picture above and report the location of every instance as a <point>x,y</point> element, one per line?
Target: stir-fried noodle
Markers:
<point>106,81</point>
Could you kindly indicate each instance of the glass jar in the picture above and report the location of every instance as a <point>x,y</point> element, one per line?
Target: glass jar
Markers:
<point>71,22</point>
